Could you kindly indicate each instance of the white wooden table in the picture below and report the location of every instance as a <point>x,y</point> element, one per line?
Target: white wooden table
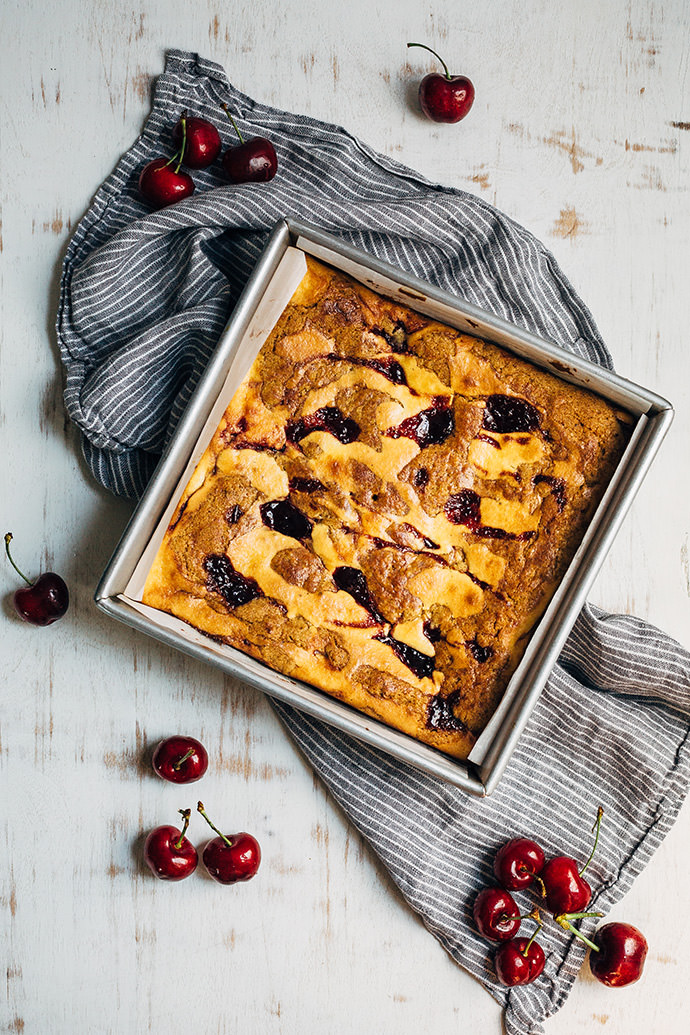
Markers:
<point>580,131</point>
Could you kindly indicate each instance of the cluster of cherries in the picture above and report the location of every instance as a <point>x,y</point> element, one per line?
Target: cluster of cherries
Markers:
<point>228,858</point>
<point>198,144</point>
<point>618,949</point>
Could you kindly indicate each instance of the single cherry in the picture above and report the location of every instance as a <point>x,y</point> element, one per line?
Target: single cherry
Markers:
<point>618,954</point>
<point>180,759</point>
<point>168,852</point>
<point>198,139</point>
<point>566,890</point>
<point>230,858</point>
<point>162,183</point>
<point>496,914</point>
<point>41,602</point>
<point>563,885</point>
<point>519,962</point>
<point>444,98</point>
<point>517,863</point>
<point>250,161</point>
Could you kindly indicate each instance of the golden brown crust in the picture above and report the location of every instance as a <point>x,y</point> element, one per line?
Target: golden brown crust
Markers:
<point>386,509</point>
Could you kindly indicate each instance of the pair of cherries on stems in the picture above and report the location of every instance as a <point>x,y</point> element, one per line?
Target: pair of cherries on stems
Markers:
<point>170,855</point>
<point>197,141</point>
<point>618,949</point>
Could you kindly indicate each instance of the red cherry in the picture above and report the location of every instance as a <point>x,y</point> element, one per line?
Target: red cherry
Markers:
<point>564,885</point>
<point>168,852</point>
<point>496,915</point>
<point>230,858</point>
<point>198,140</point>
<point>162,185</point>
<point>519,962</point>
<point>41,602</point>
<point>621,955</point>
<point>444,98</point>
<point>251,161</point>
<point>566,890</point>
<point>180,759</point>
<point>517,863</point>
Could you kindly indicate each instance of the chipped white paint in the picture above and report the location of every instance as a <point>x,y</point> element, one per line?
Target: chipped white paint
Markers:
<point>581,131</point>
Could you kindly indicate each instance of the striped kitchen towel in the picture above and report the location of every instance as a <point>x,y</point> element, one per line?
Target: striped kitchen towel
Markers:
<point>144,298</point>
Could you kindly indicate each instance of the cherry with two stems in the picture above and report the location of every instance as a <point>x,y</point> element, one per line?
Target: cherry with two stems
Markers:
<point>180,759</point>
<point>250,161</point>
<point>40,602</point>
<point>168,852</point>
<point>198,140</point>
<point>444,98</point>
<point>230,858</point>
<point>162,181</point>
<point>520,961</point>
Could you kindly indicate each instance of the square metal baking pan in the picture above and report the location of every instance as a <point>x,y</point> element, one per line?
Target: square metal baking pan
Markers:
<point>652,414</point>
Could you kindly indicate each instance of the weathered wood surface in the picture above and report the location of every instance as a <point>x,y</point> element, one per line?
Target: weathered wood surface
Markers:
<point>580,131</point>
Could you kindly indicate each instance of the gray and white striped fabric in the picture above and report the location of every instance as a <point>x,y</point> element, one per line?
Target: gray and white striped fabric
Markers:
<point>144,297</point>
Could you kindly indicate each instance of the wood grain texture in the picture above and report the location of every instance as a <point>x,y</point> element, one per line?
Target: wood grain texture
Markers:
<point>580,131</point>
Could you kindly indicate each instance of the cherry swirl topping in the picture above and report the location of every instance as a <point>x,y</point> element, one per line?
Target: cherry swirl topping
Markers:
<point>557,486</point>
<point>440,714</point>
<point>282,516</point>
<point>328,418</point>
<point>464,508</point>
<point>354,582</point>
<point>421,664</point>
<point>507,413</point>
<point>429,427</point>
<point>222,577</point>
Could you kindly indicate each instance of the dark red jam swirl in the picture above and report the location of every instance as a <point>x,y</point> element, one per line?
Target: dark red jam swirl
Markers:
<point>479,653</point>
<point>387,366</point>
<point>396,340</point>
<point>354,582</point>
<point>233,514</point>
<point>508,413</point>
<point>422,665</point>
<point>328,418</point>
<point>420,478</point>
<point>557,486</point>
<point>429,543</point>
<point>429,427</point>
<point>432,633</point>
<point>221,577</point>
<point>464,508</point>
<point>440,714</point>
<point>306,485</point>
<point>282,516</point>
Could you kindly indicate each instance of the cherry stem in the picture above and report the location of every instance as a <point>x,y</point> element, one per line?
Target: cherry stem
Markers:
<point>8,539</point>
<point>597,827</point>
<point>185,813</point>
<point>179,155</point>
<point>424,47</point>
<point>227,112</point>
<point>541,884</point>
<point>200,808</point>
<point>578,934</point>
<point>537,918</point>
<point>180,762</point>
<point>576,916</point>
